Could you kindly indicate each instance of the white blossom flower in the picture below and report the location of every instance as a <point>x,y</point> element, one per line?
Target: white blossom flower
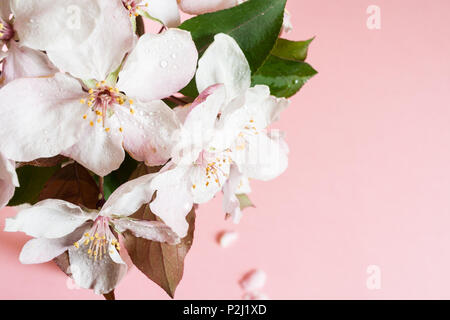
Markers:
<point>226,125</point>
<point>18,60</point>
<point>8,180</point>
<point>89,237</point>
<point>94,127</point>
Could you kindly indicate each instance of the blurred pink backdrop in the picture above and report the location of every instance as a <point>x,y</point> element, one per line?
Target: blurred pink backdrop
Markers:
<point>368,181</point>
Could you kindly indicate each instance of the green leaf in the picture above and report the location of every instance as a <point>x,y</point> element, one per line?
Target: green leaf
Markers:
<point>160,262</point>
<point>72,183</point>
<point>285,71</point>
<point>32,179</point>
<point>291,50</point>
<point>244,201</point>
<point>116,178</point>
<point>284,77</point>
<point>255,25</point>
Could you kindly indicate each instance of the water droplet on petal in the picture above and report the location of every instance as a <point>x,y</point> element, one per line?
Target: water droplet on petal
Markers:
<point>163,64</point>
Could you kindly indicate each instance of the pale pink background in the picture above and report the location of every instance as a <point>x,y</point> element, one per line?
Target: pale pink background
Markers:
<point>368,182</point>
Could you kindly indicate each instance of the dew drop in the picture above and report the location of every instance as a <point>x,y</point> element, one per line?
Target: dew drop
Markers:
<point>163,64</point>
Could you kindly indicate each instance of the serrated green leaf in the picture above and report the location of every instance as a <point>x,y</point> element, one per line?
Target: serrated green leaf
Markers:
<point>255,25</point>
<point>32,179</point>
<point>285,71</point>
<point>291,50</point>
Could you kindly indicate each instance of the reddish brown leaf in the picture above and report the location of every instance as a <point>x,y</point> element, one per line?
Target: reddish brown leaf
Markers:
<point>72,183</point>
<point>162,263</point>
<point>44,162</point>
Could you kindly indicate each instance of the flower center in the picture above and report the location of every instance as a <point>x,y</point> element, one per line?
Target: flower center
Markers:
<point>101,102</point>
<point>133,6</point>
<point>6,30</point>
<point>213,164</point>
<point>98,239</point>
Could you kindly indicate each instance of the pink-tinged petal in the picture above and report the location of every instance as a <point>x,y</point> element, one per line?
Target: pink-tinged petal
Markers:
<point>5,10</point>
<point>148,131</point>
<point>8,180</point>
<point>100,147</point>
<point>262,157</point>
<point>48,219</point>
<point>129,197</point>
<point>224,62</point>
<point>23,62</point>
<point>40,117</point>
<point>87,38</point>
<point>254,280</point>
<point>204,6</point>
<point>103,275</point>
<point>42,250</point>
<point>165,11</point>
<point>228,238</point>
<point>150,230</point>
<point>159,66</point>
<point>173,199</point>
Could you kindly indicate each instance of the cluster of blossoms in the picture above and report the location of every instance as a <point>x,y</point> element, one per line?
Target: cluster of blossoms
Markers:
<point>77,82</point>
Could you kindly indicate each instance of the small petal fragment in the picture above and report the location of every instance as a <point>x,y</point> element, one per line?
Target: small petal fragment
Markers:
<point>254,280</point>
<point>203,6</point>
<point>228,238</point>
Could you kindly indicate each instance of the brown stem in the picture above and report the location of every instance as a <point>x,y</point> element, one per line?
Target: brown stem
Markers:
<point>101,196</point>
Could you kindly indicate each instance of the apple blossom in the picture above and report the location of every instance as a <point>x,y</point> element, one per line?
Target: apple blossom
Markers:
<point>8,180</point>
<point>18,60</point>
<point>224,126</point>
<point>89,237</point>
<point>95,127</point>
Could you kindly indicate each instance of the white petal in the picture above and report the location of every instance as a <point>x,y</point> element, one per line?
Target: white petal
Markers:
<point>150,230</point>
<point>99,150</point>
<point>23,62</point>
<point>198,128</point>
<point>8,180</point>
<point>129,197</point>
<point>207,185</point>
<point>148,131</point>
<point>287,23</point>
<point>42,250</point>
<point>87,38</point>
<point>263,108</point>
<point>254,280</point>
<point>48,219</point>
<point>159,66</point>
<point>103,275</point>
<point>224,62</point>
<point>164,10</point>
<point>262,157</point>
<point>39,117</point>
<point>228,238</point>
<point>203,6</point>
<point>231,203</point>
<point>170,208</point>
